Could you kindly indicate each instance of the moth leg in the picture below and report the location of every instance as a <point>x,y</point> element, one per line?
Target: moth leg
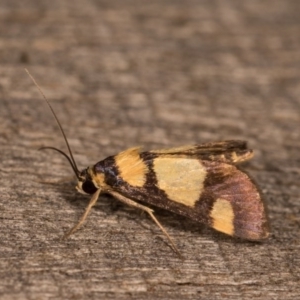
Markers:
<point>84,216</point>
<point>150,212</point>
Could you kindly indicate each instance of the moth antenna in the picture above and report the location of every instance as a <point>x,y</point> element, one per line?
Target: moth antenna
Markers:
<point>74,166</point>
<point>66,156</point>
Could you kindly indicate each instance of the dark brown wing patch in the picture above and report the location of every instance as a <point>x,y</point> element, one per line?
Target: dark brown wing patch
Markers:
<point>234,151</point>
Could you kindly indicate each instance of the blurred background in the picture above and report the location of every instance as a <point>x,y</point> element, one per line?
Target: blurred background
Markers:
<point>155,74</point>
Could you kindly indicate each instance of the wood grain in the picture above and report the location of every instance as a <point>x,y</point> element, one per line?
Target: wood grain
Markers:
<point>160,74</point>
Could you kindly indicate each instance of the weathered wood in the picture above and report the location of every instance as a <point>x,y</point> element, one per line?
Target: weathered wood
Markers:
<point>159,74</point>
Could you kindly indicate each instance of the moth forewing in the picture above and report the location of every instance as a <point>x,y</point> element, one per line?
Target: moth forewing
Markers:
<point>212,192</point>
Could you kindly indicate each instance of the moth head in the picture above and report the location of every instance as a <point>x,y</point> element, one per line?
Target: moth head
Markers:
<point>85,184</point>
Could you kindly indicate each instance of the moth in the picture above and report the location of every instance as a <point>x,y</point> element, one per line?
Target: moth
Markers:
<point>201,182</point>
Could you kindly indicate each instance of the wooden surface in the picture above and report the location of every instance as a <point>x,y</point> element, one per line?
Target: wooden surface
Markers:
<point>159,74</point>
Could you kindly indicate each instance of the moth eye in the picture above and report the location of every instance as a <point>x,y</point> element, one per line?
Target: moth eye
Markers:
<point>89,187</point>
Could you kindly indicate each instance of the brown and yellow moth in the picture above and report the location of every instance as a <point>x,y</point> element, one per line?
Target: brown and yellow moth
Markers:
<point>200,182</point>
